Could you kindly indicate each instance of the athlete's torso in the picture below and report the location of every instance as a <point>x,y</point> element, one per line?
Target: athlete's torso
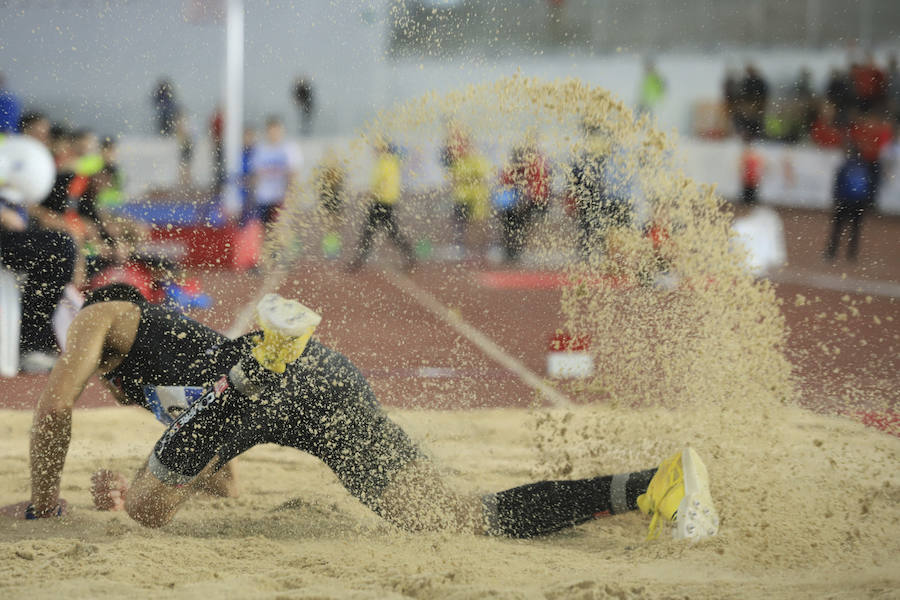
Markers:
<point>171,359</point>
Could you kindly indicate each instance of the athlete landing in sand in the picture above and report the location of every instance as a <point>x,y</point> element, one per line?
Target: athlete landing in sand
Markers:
<point>282,387</point>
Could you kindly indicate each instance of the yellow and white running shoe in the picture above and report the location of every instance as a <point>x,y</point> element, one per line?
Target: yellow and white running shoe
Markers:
<point>287,327</point>
<point>679,495</point>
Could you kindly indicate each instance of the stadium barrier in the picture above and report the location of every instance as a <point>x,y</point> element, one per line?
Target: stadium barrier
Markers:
<point>798,176</point>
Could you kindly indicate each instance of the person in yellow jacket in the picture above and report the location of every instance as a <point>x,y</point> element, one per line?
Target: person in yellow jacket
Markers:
<point>385,193</point>
<point>469,172</point>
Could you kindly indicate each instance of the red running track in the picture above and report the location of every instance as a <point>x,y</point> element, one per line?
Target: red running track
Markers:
<point>415,359</point>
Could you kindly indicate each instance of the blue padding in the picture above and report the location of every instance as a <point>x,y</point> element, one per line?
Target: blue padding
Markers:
<point>175,213</point>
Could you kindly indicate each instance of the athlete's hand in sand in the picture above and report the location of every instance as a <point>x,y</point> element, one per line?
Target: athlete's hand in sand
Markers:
<point>19,510</point>
<point>108,490</point>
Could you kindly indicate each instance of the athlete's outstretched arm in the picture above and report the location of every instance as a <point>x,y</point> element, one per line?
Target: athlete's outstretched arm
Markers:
<point>51,429</point>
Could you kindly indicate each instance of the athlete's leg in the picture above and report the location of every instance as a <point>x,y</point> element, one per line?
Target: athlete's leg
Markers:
<point>419,499</point>
<point>333,414</point>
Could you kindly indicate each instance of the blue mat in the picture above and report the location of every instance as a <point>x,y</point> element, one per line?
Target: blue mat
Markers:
<point>181,214</point>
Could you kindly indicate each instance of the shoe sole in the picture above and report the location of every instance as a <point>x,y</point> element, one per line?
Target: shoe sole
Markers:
<point>285,317</point>
<point>697,517</point>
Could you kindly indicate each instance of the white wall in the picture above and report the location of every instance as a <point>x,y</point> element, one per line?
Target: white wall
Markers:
<point>95,63</point>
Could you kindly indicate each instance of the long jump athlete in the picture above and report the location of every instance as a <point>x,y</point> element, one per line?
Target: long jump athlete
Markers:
<point>280,386</point>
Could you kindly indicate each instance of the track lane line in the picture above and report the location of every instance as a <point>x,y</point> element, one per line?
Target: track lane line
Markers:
<point>836,283</point>
<point>490,348</point>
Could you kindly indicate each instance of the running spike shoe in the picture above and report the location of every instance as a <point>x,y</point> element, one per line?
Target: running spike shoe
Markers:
<point>287,326</point>
<point>679,495</point>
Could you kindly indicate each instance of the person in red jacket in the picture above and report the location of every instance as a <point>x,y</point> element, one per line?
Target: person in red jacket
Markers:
<point>869,84</point>
<point>528,175</point>
<point>752,165</point>
<point>825,132</point>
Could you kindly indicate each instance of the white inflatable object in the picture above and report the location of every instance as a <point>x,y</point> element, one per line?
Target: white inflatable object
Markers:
<point>10,321</point>
<point>27,170</point>
<point>761,233</point>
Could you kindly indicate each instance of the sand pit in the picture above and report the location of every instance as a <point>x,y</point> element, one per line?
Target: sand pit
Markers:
<point>810,504</point>
<point>810,508</point>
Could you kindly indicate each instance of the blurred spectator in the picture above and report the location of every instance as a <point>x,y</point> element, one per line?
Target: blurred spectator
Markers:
<point>752,165</point>
<point>468,172</point>
<point>825,132</point>
<point>166,107</point>
<point>653,89</point>
<point>273,166</point>
<point>839,93</point>
<point>49,214</point>
<point>184,134</point>
<point>70,206</point>
<point>731,92</point>
<point>330,180</point>
<point>216,132</point>
<point>754,98</point>
<point>85,222</point>
<point>36,125</point>
<point>385,193</point>
<point>527,177</point>
<point>46,258</point>
<point>109,194</point>
<point>602,185</point>
<point>893,88</point>
<point>868,84</point>
<point>853,195</point>
<point>88,164</point>
<point>10,108</point>
<point>248,144</point>
<point>305,100</point>
<point>805,107</point>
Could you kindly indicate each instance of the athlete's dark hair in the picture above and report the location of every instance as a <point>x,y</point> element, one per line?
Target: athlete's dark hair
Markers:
<point>115,291</point>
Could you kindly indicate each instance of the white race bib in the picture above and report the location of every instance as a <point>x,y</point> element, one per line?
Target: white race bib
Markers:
<point>169,401</point>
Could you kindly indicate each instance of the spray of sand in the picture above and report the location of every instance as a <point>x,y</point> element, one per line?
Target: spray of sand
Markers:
<point>689,346</point>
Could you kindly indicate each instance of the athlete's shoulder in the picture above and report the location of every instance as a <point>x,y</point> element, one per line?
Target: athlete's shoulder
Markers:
<point>104,312</point>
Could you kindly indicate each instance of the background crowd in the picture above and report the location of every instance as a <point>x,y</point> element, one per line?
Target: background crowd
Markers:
<point>859,104</point>
<point>80,236</point>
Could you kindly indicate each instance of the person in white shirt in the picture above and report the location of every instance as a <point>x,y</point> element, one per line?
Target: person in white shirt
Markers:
<point>273,167</point>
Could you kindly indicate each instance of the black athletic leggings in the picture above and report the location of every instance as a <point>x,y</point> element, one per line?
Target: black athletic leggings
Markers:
<point>47,259</point>
<point>846,215</point>
<point>321,405</point>
<point>382,216</point>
